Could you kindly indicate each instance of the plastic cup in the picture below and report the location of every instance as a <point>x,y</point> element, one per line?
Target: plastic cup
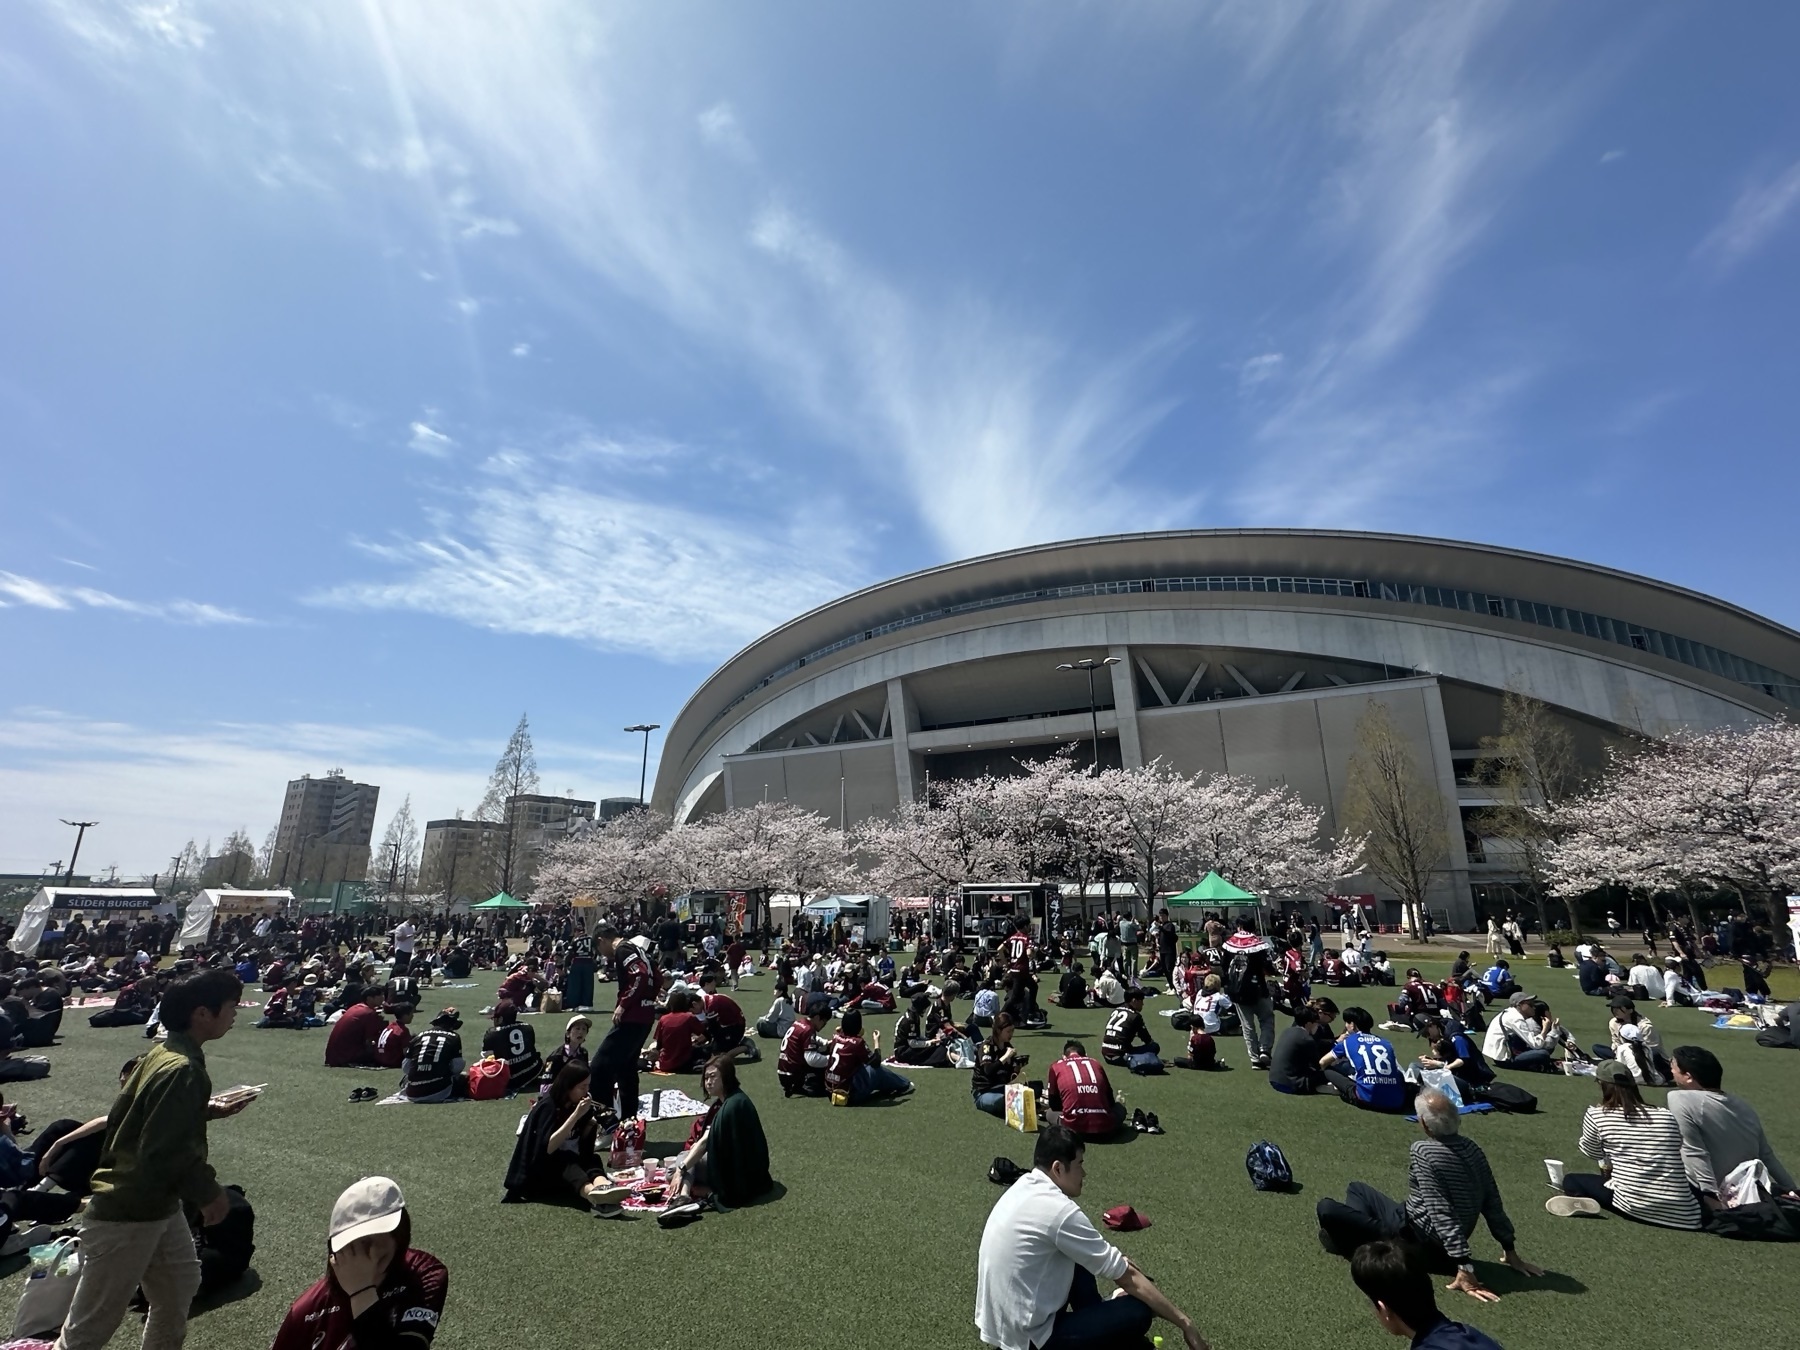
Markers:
<point>1555,1168</point>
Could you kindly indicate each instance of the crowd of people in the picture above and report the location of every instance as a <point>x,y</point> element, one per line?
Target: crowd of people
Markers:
<point>150,1196</point>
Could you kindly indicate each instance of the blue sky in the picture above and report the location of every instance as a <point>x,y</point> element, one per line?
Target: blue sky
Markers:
<point>370,373</point>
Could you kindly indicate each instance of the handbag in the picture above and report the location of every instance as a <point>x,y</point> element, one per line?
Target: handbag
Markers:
<point>44,1304</point>
<point>489,1077</point>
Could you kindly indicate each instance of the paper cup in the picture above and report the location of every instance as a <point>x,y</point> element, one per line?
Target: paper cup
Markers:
<point>1555,1168</point>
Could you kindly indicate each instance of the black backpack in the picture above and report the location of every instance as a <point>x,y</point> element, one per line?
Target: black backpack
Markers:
<point>1268,1167</point>
<point>1004,1172</point>
<point>1237,975</point>
<point>225,1248</point>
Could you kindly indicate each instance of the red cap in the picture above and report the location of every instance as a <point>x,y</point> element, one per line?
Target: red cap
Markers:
<point>1124,1218</point>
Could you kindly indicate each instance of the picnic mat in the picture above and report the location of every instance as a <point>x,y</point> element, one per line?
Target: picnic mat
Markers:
<point>667,1104</point>
<point>1737,1022</point>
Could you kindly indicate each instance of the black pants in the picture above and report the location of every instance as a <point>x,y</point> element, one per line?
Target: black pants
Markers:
<point>1777,1038</point>
<point>615,1066</point>
<point>1346,1091</point>
<point>1364,1215</point>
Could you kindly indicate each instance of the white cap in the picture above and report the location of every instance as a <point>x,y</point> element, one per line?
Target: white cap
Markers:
<point>371,1207</point>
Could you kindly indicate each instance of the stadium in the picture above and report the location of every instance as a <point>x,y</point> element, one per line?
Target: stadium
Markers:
<point>1253,652</point>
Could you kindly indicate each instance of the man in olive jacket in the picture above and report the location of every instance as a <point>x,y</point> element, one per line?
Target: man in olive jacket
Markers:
<point>153,1157</point>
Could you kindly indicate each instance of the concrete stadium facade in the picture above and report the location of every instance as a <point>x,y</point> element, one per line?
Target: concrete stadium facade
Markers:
<point>1253,652</point>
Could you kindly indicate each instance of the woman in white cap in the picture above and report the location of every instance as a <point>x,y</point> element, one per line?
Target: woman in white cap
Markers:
<point>376,1291</point>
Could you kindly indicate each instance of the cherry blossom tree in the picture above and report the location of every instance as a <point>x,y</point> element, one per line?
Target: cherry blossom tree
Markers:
<point>1719,808</point>
<point>623,862</point>
<point>931,848</point>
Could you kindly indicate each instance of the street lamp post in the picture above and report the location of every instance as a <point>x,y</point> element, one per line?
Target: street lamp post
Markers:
<point>81,829</point>
<point>644,769</point>
<point>1090,665</point>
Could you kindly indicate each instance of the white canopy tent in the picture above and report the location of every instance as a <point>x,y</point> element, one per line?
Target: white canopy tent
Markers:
<point>85,900</point>
<point>196,923</point>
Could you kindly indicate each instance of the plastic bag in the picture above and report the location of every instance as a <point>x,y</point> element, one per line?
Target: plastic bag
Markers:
<point>1445,1082</point>
<point>1021,1108</point>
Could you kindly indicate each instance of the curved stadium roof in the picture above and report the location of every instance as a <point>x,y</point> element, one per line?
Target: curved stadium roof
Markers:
<point>1649,621</point>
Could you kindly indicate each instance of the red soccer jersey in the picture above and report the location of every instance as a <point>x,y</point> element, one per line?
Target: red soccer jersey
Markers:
<point>724,1013</point>
<point>1018,952</point>
<point>352,1039</point>
<point>392,1048</point>
<point>637,987</point>
<point>1080,1090</point>
<point>848,1054</point>
<point>675,1034</point>
<point>791,1068</point>
<point>406,1310</point>
<point>516,988</point>
<point>734,955</point>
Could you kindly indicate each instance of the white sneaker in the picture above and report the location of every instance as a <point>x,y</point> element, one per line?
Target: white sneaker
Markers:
<point>1568,1206</point>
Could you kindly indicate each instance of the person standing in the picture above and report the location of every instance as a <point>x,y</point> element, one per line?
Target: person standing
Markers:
<point>1128,937</point>
<point>615,1063</point>
<point>152,1158</point>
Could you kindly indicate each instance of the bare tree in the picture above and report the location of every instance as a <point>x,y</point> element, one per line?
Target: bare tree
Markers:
<point>265,857</point>
<point>396,861</point>
<point>1531,769</point>
<point>514,774</point>
<point>1400,810</point>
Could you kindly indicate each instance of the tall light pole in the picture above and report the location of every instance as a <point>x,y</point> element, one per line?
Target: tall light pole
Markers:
<point>1090,665</point>
<point>81,829</point>
<point>644,769</point>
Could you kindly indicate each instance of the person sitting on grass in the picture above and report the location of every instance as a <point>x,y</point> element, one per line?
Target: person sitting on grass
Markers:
<point>726,1161</point>
<point>1364,1067</point>
<point>1785,1034</point>
<point>354,1035</point>
<point>1497,981</point>
<point>1638,1147</point>
<point>1040,1259</point>
<point>996,1065</point>
<point>1108,991</point>
<point>678,1044</point>
<point>573,1049</point>
<point>1456,1051</point>
<point>1071,990</point>
<point>1082,1096</point>
<point>724,1019</point>
<point>377,1291</point>
<point>516,1043</point>
<point>1719,1132</point>
<point>433,1070</point>
<point>1294,1067</point>
<point>1127,1042</point>
<point>1392,1274</point>
<point>1635,1043</point>
<point>800,1069</point>
<point>555,1157</point>
<point>1519,1038</point>
<point>913,1045</point>
<point>1449,1188</point>
<point>395,1041</point>
<point>855,1068</point>
<point>1679,989</point>
<point>280,1012</point>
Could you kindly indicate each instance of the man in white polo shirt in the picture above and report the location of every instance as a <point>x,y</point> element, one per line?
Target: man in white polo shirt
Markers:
<point>1041,1256</point>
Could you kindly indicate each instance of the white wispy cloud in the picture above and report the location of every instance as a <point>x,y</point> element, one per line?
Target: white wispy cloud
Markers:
<point>1612,156</point>
<point>521,349</point>
<point>1259,369</point>
<point>993,426</point>
<point>30,593</point>
<point>1760,210</point>
<point>1427,156</point>
<point>152,789</point>
<point>428,440</point>
<point>536,554</point>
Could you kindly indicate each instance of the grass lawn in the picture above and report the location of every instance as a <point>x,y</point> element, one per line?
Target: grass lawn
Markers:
<point>872,1238</point>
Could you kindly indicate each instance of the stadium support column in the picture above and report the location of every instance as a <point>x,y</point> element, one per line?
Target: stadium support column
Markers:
<point>1131,749</point>
<point>1459,899</point>
<point>903,720</point>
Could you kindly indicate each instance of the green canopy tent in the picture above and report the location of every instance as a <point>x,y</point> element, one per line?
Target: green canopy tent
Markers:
<point>1212,889</point>
<point>501,901</point>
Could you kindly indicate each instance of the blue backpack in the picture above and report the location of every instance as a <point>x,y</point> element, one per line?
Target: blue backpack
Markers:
<point>1268,1167</point>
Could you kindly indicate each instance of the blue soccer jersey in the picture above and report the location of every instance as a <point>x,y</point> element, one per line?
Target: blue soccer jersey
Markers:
<point>1375,1070</point>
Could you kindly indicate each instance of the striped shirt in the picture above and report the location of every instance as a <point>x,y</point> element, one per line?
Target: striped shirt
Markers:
<point>1449,1187</point>
<point>1643,1157</point>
